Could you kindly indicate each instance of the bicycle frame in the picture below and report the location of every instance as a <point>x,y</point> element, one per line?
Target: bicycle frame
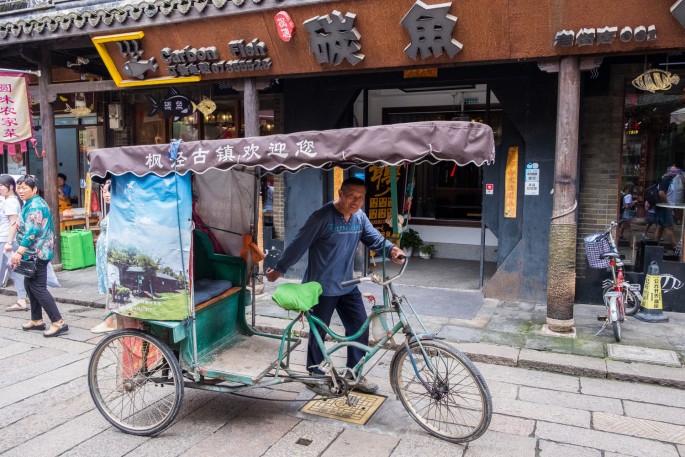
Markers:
<point>391,304</point>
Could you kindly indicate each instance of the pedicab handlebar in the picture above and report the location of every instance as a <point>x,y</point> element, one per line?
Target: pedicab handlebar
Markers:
<point>376,277</point>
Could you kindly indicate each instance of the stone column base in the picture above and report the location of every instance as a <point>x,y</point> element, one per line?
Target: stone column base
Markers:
<point>560,326</point>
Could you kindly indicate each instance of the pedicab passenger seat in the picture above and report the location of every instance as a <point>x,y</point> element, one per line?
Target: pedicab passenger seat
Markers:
<point>220,293</point>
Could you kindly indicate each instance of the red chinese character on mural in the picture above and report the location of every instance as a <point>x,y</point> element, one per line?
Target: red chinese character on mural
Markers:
<point>6,100</point>
<point>7,110</point>
<point>9,121</point>
<point>5,87</point>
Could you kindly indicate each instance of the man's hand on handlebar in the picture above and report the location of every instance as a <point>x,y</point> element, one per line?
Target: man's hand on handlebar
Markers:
<point>272,274</point>
<point>397,255</point>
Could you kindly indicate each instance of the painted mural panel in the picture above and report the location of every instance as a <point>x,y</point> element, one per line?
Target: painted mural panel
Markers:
<point>148,250</point>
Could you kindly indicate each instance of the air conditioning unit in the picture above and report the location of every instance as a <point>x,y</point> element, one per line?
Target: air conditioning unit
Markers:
<point>116,119</point>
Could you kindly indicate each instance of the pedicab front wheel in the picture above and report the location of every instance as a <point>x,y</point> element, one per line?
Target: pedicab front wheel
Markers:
<point>136,382</point>
<point>453,402</point>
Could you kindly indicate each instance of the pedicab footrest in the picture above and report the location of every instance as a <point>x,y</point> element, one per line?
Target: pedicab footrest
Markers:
<point>297,297</point>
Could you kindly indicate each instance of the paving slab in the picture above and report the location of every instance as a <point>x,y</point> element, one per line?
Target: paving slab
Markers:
<point>513,375</point>
<point>643,354</point>
<point>654,412</point>
<point>643,428</point>
<point>570,400</point>
<point>538,411</point>
<point>627,445</point>
<point>550,449</point>
<point>500,444</point>
<point>413,445</point>
<point>349,441</point>
<point>644,372</point>
<point>306,439</point>
<point>562,363</point>
<point>626,390</point>
<point>511,425</point>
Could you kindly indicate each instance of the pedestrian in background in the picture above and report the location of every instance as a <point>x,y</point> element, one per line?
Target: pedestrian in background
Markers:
<point>9,213</point>
<point>36,239</point>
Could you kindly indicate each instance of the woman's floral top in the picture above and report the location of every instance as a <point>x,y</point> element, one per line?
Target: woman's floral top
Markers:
<point>35,230</point>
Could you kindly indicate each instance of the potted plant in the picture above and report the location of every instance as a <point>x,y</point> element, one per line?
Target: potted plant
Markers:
<point>410,240</point>
<point>426,251</point>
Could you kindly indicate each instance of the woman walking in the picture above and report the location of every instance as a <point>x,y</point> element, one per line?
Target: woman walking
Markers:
<point>9,213</point>
<point>36,240</point>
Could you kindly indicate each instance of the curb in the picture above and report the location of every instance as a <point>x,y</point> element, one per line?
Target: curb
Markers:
<point>570,364</point>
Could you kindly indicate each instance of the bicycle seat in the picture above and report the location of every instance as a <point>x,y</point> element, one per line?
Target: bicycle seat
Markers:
<point>615,255</point>
<point>297,297</point>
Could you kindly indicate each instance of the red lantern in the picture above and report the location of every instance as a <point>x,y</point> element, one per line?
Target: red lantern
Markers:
<point>284,25</point>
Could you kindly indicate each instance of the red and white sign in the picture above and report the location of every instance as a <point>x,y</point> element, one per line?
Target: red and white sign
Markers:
<point>284,25</point>
<point>16,126</point>
<point>489,189</point>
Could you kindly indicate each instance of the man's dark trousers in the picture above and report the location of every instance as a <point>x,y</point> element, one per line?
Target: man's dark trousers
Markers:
<point>351,310</point>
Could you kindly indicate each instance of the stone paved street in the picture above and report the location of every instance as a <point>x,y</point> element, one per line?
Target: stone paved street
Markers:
<point>46,410</point>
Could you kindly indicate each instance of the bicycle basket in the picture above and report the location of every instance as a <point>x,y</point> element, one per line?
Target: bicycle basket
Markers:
<point>596,245</point>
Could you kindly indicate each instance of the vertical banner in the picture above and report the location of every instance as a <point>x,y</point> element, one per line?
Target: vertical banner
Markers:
<point>511,182</point>
<point>15,113</point>
<point>148,246</point>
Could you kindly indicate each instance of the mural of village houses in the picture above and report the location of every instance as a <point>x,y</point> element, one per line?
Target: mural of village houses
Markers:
<point>148,246</point>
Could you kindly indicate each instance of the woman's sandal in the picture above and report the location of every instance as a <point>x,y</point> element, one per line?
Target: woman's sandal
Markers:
<point>16,307</point>
<point>33,325</point>
<point>56,330</point>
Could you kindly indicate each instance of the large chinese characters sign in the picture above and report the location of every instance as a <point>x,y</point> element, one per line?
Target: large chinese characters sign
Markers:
<point>15,114</point>
<point>378,197</point>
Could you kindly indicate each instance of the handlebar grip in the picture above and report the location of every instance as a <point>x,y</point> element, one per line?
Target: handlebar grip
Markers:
<point>401,257</point>
<point>350,282</point>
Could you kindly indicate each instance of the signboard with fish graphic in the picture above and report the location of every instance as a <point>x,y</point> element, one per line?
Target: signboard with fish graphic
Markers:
<point>174,105</point>
<point>655,79</point>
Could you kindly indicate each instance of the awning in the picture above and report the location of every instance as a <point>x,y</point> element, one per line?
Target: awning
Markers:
<point>456,141</point>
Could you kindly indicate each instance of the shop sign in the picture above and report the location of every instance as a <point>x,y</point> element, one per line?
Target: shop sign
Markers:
<point>190,61</point>
<point>333,38</point>
<point>284,25</point>
<point>604,35</point>
<point>430,31</point>
<point>489,189</point>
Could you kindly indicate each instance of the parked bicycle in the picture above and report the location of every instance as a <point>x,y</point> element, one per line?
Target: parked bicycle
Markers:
<point>621,298</point>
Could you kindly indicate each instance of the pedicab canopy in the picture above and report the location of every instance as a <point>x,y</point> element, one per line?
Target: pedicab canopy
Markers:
<point>457,141</point>
<point>153,209</point>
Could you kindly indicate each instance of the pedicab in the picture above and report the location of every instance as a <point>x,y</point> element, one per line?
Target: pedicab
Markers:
<point>179,290</point>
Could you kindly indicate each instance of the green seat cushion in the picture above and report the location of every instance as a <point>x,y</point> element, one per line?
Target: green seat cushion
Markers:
<point>298,297</point>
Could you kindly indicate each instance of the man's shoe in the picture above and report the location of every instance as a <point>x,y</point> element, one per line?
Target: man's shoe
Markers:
<point>364,385</point>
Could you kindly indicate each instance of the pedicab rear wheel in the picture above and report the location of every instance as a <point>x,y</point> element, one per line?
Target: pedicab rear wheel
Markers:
<point>136,382</point>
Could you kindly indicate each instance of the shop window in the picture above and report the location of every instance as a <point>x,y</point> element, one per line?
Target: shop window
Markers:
<point>653,141</point>
<point>446,191</point>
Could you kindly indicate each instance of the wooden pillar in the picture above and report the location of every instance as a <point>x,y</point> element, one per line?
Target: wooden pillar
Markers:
<point>251,107</point>
<point>47,122</point>
<point>562,238</point>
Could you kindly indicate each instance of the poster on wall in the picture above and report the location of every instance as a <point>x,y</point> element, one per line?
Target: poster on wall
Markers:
<point>147,260</point>
<point>511,182</point>
<point>378,200</point>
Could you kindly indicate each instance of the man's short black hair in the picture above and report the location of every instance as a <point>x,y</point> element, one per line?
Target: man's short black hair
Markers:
<point>352,181</point>
<point>63,176</point>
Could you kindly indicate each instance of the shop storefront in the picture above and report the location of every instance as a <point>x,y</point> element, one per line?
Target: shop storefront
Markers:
<point>334,64</point>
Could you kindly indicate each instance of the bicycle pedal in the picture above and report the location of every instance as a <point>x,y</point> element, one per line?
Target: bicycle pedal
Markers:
<point>352,401</point>
<point>601,317</point>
